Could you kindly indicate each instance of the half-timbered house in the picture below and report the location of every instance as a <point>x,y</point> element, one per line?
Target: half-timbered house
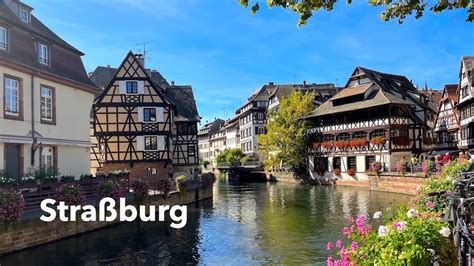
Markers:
<point>376,117</point>
<point>206,152</point>
<point>447,122</point>
<point>141,123</point>
<point>466,102</point>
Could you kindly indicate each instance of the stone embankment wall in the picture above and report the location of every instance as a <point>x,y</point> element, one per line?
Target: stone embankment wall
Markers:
<point>36,232</point>
<point>388,183</point>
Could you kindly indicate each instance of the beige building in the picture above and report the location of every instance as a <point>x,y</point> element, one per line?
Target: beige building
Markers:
<point>45,94</point>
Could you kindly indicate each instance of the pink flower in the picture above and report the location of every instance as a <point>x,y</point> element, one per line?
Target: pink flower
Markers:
<point>351,220</point>
<point>430,204</point>
<point>354,245</point>
<point>329,246</point>
<point>345,231</point>
<point>330,261</point>
<point>339,243</point>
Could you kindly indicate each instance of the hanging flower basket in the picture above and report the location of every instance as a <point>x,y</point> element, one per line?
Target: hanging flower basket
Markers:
<point>327,145</point>
<point>377,140</point>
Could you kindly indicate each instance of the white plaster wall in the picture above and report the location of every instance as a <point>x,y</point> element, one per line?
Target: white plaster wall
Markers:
<point>73,160</point>
<point>360,161</point>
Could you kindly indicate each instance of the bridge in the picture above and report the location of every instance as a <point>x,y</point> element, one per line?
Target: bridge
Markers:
<point>252,171</point>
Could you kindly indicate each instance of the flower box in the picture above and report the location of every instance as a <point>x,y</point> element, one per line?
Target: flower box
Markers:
<point>327,145</point>
<point>351,172</point>
<point>377,140</point>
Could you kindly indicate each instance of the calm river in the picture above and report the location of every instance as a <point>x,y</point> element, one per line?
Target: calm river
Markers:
<point>244,224</point>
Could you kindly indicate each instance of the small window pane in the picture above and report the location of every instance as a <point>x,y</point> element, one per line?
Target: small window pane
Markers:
<point>149,115</point>
<point>132,87</point>
<point>3,38</point>
<point>24,15</point>
<point>11,96</point>
<point>46,103</point>
<point>43,54</point>
<point>151,143</point>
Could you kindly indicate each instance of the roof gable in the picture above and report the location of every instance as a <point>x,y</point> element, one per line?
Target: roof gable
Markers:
<point>130,69</point>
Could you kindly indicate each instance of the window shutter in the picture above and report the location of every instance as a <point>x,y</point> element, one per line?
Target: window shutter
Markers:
<point>159,114</point>
<point>141,87</point>
<point>122,87</point>
<point>140,114</point>
<point>140,143</point>
<point>161,143</point>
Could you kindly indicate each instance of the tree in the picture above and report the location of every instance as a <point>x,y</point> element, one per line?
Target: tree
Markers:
<point>230,156</point>
<point>394,8</point>
<point>285,143</point>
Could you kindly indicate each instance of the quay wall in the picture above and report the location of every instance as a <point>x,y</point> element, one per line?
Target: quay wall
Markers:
<point>35,232</point>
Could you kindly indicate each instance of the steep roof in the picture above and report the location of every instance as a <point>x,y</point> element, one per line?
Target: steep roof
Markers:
<point>379,98</point>
<point>211,127</point>
<point>352,91</point>
<point>284,90</point>
<point>181,96</point>
<point>65,60</point>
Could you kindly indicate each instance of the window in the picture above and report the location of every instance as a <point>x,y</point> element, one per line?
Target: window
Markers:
<point>464,91</point>
<point>46,103</point>
<point>47,157</point>
<point>43,54</point>
<point>12,87</point>
<point>151,143</point>
<point>369,160</point>
<point>352,163</point>
<point>191,150</point>
<point>132,87</point>
<point>24,15</point>
<point>3,39</point>
<point>149,114</point>
<point>336,162</point>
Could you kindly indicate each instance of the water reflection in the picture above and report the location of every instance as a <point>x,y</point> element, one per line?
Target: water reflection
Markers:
<point>243,224</point>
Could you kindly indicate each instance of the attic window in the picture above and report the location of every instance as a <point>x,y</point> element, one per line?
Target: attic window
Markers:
<point>43,54</point>
<point>3,38</point>
<point>24,15</point>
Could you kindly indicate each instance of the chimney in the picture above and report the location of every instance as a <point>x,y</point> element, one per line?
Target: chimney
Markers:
<point>271,83</point>
<point>108,66</point>
<point>304,83</point>
<point>140,59</point>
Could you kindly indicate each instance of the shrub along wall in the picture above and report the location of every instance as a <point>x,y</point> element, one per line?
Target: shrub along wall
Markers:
<point>36,232</point>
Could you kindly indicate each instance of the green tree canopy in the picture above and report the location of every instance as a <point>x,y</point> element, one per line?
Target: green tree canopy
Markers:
<point>285,143</point>
<point>399,9</point>
<point>230,156</point>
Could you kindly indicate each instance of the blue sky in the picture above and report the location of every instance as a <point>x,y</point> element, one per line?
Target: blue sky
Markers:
<point>226,53</point>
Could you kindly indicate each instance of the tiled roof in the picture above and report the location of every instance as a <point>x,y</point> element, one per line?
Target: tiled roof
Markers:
<point>65,61</point>
<point>352,91</point>
<point>375,99</point>
<point>181,96</point>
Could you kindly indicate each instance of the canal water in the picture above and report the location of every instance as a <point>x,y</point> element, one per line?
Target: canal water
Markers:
<point>244,224</point>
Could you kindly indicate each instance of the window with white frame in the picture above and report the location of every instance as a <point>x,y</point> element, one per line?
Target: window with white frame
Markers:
<point>149,114</point>
<point>12,87</point>
<point>43,54</point>
<point>3,38</point>
<point>151,143</point>
<point>47,157</point>
<point>24,15</point>
<point>132,87</point>
<point>46,103</point>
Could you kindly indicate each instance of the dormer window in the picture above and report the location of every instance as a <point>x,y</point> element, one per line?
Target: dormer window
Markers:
<point>24,15</point>
<point>43,54</point>
<point>3,39</point>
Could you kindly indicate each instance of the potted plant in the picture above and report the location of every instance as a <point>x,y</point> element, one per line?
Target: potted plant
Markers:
<point>351,172</point>
<point>6,181</point>
<point>12,206</point>
<point>336,172</point>
<point>67,178</point>
<point>71,194</point>
<point>48,180</point>
<point>376,167</point>
<point>28,181</point>
<point>140,190</point>
<point>164,186</point>
<point>110,189</point>
<point>86,177</point>
<point>182,184</point>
